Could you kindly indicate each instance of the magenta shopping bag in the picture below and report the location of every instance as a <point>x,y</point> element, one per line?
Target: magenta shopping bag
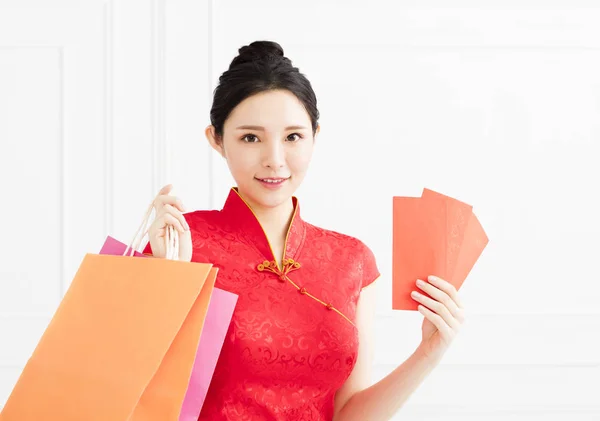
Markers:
<point>116,248</point>
<point>216,324</point>
<point>217,321</point>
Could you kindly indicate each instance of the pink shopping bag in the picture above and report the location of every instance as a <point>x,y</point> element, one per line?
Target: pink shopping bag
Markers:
<point>216,324</point>
<point>217,321</point>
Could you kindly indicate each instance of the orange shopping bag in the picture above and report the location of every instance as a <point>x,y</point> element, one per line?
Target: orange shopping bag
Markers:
<point>122,343</point>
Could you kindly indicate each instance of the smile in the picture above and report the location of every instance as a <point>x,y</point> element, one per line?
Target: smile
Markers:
<point>272,182</point>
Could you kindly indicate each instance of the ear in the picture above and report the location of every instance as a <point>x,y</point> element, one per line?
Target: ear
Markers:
<point>214,141</point>
<point>317,132</point>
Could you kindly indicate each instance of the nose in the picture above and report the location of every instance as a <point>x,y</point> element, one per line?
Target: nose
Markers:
<point>273,154</point>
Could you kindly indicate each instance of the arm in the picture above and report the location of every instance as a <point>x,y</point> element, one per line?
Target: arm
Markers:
<point>357,399</point>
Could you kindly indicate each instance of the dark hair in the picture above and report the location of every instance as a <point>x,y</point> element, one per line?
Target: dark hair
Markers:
<point>260,66</point>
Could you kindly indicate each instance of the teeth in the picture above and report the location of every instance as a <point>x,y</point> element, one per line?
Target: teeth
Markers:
<point>273,181</point>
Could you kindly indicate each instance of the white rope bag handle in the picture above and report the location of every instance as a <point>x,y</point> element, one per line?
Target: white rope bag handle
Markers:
<point>171,237</point>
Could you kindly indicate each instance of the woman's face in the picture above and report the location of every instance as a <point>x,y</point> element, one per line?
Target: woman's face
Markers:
<point>268,143</point>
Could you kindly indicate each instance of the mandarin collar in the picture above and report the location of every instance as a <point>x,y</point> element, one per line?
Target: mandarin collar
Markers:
<point>240,216</point>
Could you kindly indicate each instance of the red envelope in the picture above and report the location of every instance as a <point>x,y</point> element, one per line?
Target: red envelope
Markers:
<point>470,251</point>
<point>446,219</point>
<point>432,235</point>
<point>413,258</point>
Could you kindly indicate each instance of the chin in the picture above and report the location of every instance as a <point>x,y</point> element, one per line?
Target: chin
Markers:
<point>271,199</point>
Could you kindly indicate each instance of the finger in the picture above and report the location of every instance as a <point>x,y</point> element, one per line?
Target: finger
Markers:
<point>439,295</point>
<point>165,190</point>
<point>185,253</point>
<point>157,228</point>
<point>167,218</point>
<point>159,225</point>
<point>171,220</point>
<point>175,212</point>
<point>454,305</point>
<point>438,322</point>
<point>438,308</point>
<point>447,287</point>
<point>168,200</point>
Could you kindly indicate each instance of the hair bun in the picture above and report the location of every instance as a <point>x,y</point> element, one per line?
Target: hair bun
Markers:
<point>258,51</point>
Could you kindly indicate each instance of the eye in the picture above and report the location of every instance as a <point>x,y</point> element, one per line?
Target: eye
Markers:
<point>299,136</point>
<point>250,138</point>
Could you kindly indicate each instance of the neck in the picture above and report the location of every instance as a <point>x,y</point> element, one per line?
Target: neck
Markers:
<point>276,220</point>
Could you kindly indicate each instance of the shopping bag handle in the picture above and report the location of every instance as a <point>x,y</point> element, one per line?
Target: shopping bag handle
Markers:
<point>171,237</point>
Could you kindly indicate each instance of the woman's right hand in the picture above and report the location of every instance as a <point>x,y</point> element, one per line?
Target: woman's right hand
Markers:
<point>169,211</point>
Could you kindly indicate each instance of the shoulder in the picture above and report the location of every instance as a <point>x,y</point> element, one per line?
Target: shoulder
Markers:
<point>199,221</point>
<point>200,218</point>
<point>354,247</point>
<point>206,226</point>
<point>348,250</point>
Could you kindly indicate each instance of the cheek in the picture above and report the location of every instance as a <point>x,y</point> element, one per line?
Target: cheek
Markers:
<point>298,160</point>
<point>240,161</point>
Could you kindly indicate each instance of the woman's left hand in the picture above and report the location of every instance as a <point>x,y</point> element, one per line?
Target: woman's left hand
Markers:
<point>443,313</point>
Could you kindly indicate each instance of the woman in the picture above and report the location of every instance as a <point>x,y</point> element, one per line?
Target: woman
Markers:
<point>299,345</point>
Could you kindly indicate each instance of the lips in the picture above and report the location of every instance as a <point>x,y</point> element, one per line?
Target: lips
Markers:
<point>273,180</point>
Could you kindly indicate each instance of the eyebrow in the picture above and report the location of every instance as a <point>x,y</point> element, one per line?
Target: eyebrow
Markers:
<point>260,128</point>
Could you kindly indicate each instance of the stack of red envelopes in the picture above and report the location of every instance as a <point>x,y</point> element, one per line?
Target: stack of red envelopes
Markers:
<point>433,235</point>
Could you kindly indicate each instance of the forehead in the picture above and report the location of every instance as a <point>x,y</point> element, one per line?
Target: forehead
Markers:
<point>270,109</point>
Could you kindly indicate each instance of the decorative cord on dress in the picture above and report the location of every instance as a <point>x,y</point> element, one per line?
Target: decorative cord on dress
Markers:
<point>290,265</point>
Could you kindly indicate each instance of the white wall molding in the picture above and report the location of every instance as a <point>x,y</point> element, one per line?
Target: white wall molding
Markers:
<point>161,157</point>
<point>212,82</point>
<point>109,116</point>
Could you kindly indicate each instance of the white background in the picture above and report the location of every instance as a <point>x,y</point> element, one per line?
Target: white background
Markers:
<point>495,103</point>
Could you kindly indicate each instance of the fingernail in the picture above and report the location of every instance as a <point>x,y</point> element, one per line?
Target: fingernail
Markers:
<point>420,282</point>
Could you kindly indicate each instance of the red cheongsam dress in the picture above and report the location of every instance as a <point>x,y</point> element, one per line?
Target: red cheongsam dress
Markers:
<point>292,341</point>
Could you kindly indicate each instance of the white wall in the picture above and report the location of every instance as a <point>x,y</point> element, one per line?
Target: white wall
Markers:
<point>495,103</point>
